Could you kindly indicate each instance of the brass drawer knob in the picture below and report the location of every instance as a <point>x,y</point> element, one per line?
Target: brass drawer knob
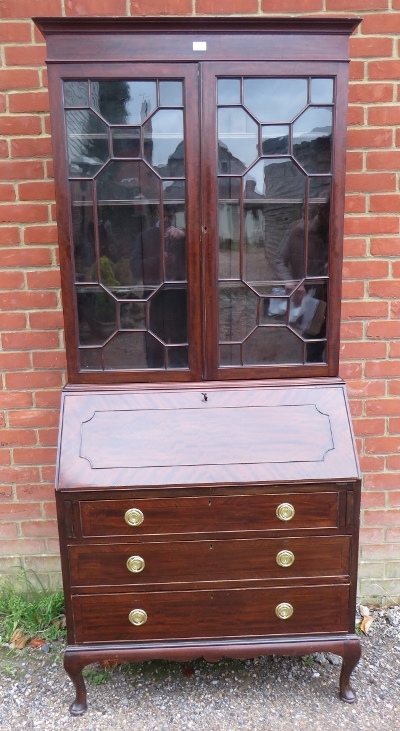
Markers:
<point>134,516</point>
<point>137,617</point>
<point>135,564</point>
<point>284,558</point>
<point>285,511</point>
<point>284,610</point>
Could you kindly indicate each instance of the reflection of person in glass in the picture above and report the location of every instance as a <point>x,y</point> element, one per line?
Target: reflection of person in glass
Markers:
<point>288,266</point>
<point>168,306</point>
<point>147,252</point>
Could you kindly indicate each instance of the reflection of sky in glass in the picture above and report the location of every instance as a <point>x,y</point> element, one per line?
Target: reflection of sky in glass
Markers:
<point>171,93</point>
<point>239,133</point>
<point>165,130</point>
<point>276,177</point>
<point>315,122</point>
<point>275,100</point>
<point>321,91</point>
<point>228,91</point>
<point>142,100</point>
<point>257,174</point>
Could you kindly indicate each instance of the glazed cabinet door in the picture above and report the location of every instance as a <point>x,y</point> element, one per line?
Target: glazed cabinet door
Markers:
<point>126,145</point>
<point>200,237</point>
<point>273,141</point>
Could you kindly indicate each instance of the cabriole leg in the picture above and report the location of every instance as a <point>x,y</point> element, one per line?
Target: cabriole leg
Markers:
<point>351,656</point>
<point>73,668</point>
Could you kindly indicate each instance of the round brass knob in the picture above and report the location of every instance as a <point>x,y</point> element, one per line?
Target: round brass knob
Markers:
<point>285,511</point>
<point>284,558</point>
<point>134,516</point>
<point>284,610</point>
<point>137,617</point>
<point>135,564</point>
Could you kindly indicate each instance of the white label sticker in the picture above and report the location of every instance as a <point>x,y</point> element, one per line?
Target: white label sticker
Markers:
<point>199,45</point>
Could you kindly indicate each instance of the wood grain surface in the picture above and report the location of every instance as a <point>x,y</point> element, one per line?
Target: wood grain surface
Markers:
<point>240,434</point>
<point>206,561</point>
<point>210,514</point>
<point>212,613</point>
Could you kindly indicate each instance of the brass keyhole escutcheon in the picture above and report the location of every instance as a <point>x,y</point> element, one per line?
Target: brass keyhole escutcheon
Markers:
<point>134,516</point>
<point>284,610</point>
<point>285,558</point>
<point>135,564</point>
<point>285,511</point>
<point>137,617</point>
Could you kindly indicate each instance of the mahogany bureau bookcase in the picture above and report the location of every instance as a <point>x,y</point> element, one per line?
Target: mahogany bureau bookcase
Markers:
<point>207,482</point>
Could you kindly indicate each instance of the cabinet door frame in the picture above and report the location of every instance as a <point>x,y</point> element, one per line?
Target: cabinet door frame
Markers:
<point>210,73</point>
<point>129,71</point>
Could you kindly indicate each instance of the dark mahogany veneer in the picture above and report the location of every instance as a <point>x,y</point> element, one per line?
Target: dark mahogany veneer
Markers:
<point>207,550</point>
<point>227,476</point>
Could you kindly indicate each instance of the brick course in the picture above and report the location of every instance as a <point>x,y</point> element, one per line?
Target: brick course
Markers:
<point>32,356</point>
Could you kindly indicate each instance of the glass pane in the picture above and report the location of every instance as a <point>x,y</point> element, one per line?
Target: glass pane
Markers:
<point>229,355</point>
<point>281,185</point>
<point>90,359</point>
<point>267,289</point>
<point>129,224</point>
<point>130,245</point>
<point>320,189</point>
<point>128,181</point>
<point>275,100</point>
<point>171,93</point>
<point>237,311</point>
<point>83,231</point>
<point>133,350</point>
<point>228,91</point>
<point>126,141</point>
<point>168,314</point>
<point>177,358</point>
<point>308,311</point>
<point>275,140</point>
<point>316,352</point>
<point>276,178</point>
<point>312,139</point>
<point>124,102</point>
<point>174,190</point>
<point>321,91</point>
<point>87,143</point>
<point>237,140</point>
<point>274,309</point>
<point>133,315</point>
<point>269,345</point>
<point>229,240</point>
<point>163,143</point>
<point>76,94</point>
<point>256,263</point>
<point>318,235</point>
<point>229,188</point>
<point>96,315</point>
<point>133,293</point>
<point>82,192</point>
<point>174,243</point>
<point>284,240</point>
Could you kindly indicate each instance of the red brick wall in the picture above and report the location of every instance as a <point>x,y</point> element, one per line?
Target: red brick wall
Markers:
<point>31,350</point>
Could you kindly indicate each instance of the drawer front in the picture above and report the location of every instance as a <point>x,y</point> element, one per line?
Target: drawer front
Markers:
<point>212,614</point>
<point>195,561</point>
<point>210,514</point>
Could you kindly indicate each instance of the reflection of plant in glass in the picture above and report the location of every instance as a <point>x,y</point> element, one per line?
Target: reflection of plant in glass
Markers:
<point>107,272</point>
<point>104,307</point>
